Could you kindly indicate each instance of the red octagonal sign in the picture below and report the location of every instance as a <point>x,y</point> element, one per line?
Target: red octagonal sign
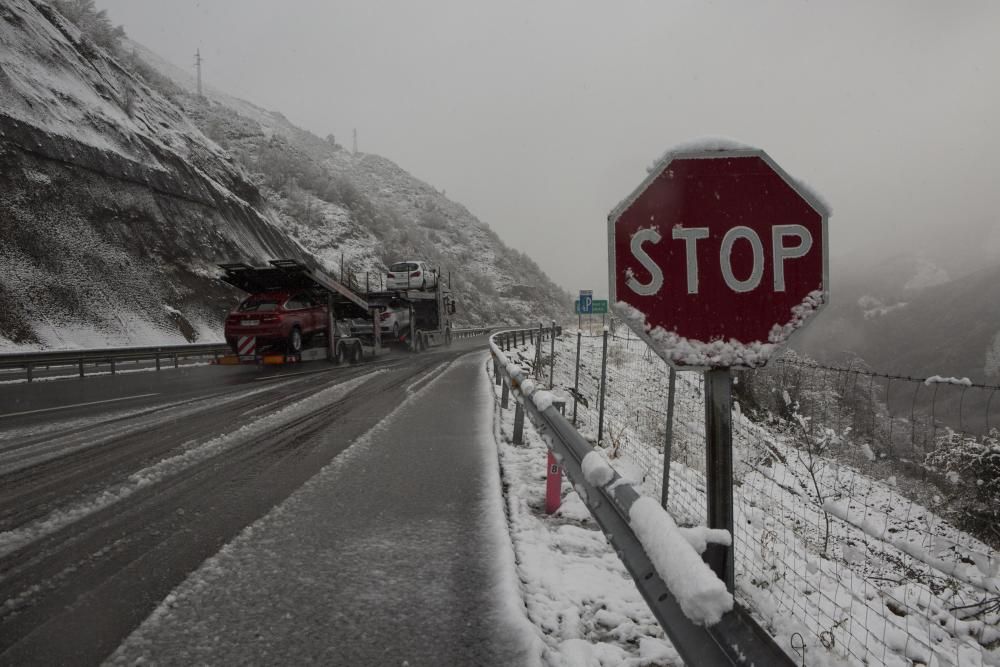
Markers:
<point>718,257</point>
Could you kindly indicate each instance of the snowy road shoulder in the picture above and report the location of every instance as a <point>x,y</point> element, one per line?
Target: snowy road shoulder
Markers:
<point>579,596</point>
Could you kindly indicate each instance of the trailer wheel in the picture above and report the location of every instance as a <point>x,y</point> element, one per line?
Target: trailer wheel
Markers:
<point>356,353</point>
<point>295,341</point>
<point>341,355</point>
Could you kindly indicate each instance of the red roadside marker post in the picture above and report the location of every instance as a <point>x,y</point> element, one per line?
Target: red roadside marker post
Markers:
<point>553,485</point>
<point>715,260</point>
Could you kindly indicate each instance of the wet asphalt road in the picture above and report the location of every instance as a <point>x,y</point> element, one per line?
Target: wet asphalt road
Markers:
<point>113,490</point>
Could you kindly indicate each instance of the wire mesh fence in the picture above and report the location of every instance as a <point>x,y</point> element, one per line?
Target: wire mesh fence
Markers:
<point>867,506</point>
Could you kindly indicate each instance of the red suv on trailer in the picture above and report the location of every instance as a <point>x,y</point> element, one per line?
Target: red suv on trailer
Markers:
<point>277,318</point>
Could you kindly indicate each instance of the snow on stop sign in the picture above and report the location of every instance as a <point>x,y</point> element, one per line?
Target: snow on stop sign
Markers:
<point>717,257</point>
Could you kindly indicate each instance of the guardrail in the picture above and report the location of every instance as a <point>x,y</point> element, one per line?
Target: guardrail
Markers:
<point>81,359</point>
<point>160,354</point>
<point>736,639</point>
<point>470,332</point>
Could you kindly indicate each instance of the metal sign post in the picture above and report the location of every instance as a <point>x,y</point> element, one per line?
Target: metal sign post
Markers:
<point>587,305</point>
<point>719,465</point>
<point>668,443</point>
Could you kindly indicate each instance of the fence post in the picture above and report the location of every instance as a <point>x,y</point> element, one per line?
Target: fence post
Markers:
<point>504,394</point>
<point>604,377</point>
<point>157,363</point>
<point>112,360</point>
<point>669,441</point>
<point>176,364</point>
<point>81,366</point>
<point>719,468</point>
<point>576,379</point>
<point>518,423</point>
<point>496,371</point>
<point>538,353</point>
<point>552,354</point>
<point>29,370</point>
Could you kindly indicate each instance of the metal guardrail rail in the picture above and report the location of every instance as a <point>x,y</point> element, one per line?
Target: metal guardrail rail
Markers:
<point>29,361</point>
<point>737,639</point>
<point>160,354</point>
<point>470,332</point>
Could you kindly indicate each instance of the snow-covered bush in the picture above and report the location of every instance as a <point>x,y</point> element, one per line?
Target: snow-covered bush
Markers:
<point>970,467</point>
<point>93,23</point>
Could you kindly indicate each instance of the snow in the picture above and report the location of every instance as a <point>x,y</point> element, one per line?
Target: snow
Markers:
<point>596,470</point>
<point>720,144</point>
<point>927,275</point>
<point>701,595</point>
<point>543,399</point>
<point>578,595</point>
<point>699,537</point>
<point>681,351</point>
<point>873,307</point>
<point>938,379</point>
<point>844,603</point>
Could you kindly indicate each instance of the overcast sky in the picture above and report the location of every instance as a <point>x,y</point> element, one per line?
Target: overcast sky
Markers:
<point>540,116</point>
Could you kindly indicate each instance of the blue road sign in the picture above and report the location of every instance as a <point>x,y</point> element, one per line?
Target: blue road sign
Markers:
<point>586,301</point>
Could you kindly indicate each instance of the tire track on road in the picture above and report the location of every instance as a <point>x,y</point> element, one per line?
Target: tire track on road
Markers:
<point>72,595</point>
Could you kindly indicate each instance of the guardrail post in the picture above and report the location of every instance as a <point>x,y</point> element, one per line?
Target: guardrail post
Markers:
<point>552,354</point>
<point>496,371</point>
<point>81,366</point>
<point>176,364</point>
<point>112,360</point>
<point>29,371</point>
<point>518,423</point>
<point>576,379</point>
<point>669,440</point>
<point>604,378</point>
<point>504,395</point>
<point>158,361</point>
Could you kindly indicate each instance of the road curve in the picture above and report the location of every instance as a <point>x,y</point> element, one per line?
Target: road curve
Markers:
<point>106,505</point>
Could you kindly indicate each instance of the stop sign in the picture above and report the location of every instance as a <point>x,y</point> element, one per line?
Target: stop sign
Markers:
<point>717,257</point>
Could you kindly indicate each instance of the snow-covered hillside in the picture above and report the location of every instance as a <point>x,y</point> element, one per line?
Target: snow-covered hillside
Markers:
<point>120,192</point>
<point>366,209</point>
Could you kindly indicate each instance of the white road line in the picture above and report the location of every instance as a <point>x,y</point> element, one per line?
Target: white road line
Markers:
<point>77,405</point>
<point>291,375</point>
<point>386,362</point>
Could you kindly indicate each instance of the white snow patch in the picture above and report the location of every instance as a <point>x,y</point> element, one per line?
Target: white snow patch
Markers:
<point>596,470</point>
<point>701,595</point>
<point>938,379</point>
<point>543,399</point>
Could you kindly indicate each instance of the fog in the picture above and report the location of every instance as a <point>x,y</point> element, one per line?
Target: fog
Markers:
<point>541,116</point>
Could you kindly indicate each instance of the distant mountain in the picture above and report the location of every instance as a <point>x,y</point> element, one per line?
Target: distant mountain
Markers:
<point>907,316</point>
<point>120,189</point>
